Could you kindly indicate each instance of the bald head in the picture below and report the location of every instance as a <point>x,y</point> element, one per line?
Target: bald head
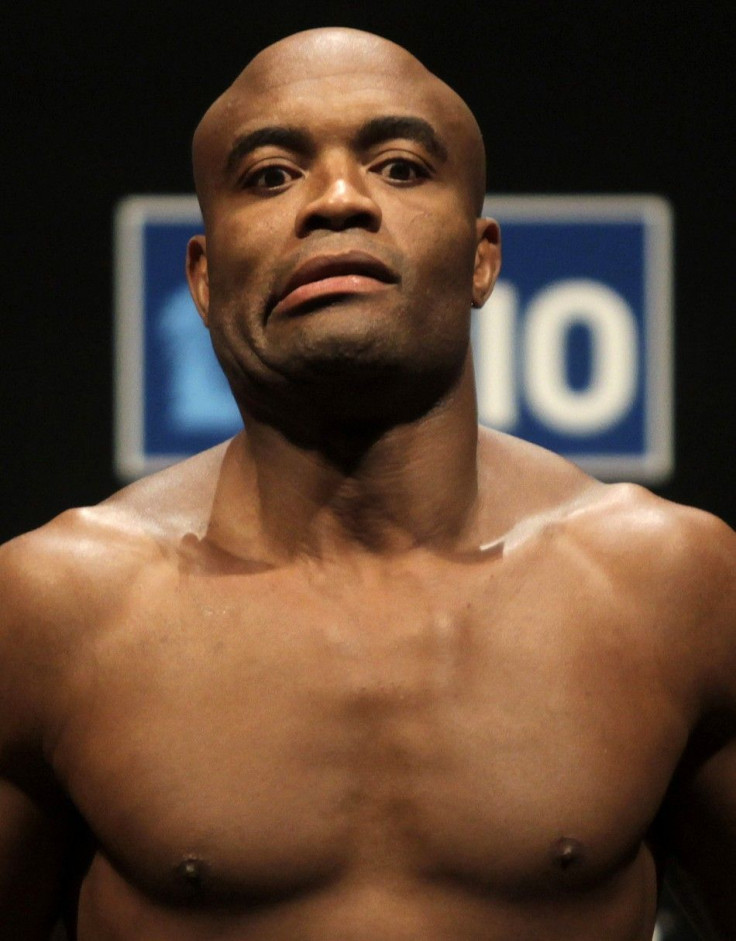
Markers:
<point>297,66</point>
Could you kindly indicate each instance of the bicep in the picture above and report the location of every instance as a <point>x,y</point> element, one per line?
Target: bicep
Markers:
<point>700,823</point>
<point>31,861</point>
<point>700,811</point>
<point>40,836</point>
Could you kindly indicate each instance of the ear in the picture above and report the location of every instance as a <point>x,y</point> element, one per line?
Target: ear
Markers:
<point>198,275</point>
<point>487,260</point>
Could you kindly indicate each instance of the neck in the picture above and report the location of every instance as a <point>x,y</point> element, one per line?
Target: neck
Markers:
<point>405,486</point>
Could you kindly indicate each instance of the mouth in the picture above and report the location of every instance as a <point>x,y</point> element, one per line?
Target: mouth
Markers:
<point>327,276</point>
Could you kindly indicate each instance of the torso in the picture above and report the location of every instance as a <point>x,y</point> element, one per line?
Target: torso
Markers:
<point>436,746</point>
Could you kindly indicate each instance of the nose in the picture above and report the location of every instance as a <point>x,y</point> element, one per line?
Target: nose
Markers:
<point>337,199</point>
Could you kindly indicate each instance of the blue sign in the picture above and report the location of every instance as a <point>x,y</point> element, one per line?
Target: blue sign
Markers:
<point>572,351</point>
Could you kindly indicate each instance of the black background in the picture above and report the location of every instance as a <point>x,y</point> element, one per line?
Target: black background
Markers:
<point>586,97</point>
<point>595,97</point>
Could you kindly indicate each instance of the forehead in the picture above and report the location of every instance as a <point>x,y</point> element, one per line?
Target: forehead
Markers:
<point>327,83</point>
<point>329,103</point>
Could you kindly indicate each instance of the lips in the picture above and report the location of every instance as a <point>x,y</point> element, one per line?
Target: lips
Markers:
<point>324,276</point>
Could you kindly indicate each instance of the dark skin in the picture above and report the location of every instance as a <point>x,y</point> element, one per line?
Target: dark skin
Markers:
<point>363,672</point>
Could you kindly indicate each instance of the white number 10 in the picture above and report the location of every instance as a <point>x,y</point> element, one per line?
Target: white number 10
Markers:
<point>515,356</point>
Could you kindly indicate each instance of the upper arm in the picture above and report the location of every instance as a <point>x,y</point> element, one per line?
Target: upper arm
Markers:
<point>699,816</point>
<point>32,840</point>
<point>57,588</point>
<point>699,823</point>
<point>34,814</point>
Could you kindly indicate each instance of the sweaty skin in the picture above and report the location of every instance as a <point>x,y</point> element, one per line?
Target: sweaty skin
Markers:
<point>363,672</point>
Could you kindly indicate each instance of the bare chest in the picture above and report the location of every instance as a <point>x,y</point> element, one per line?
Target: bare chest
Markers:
<point>262,735</point>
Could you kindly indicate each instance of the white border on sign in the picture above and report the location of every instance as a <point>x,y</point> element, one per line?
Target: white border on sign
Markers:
<point>131,215</point>
<point>654,465</point>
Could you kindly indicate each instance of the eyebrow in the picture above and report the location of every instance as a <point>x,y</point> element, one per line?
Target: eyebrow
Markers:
<point>375,131</point>
<point>292,138</point>
<point>390,127</point>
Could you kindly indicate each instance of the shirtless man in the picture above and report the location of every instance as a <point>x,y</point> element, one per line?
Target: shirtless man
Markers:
<point>362,673</point>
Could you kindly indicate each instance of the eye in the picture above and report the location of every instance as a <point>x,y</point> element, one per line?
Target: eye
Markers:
<point>403,170</point>
<point>271,178</point>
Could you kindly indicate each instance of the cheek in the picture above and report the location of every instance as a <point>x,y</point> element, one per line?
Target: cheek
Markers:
<point>237,292</point>
<point>442,256</point>
<point>232,259</point>
<point>241,250</point>
<point>445,233</point>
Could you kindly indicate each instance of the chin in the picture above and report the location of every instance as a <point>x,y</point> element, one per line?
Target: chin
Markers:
<point>351,358</point>
<point>373,384</point>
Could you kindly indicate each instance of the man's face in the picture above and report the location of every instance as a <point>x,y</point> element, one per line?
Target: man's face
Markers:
<point>341,231</point>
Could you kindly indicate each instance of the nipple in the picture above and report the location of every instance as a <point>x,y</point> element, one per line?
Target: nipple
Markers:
<point>567,852</point>
<point>191,872</point>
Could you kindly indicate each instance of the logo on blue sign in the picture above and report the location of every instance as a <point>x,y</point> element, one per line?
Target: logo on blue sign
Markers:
<point>573,351</point>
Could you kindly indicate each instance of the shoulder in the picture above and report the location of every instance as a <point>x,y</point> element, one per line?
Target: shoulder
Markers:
<point>91,548</point>
<point>47,596</point>
<point>673,568</point>
<point>49,566</point>
<point>667,575</point>
<point>63,582</point>
<point>57,585</point>
<point>651,545</point>
<point>630,523</point>
<point>619,522</point>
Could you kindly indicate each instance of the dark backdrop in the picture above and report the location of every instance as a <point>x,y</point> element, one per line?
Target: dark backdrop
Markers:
<point>572,96</point>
